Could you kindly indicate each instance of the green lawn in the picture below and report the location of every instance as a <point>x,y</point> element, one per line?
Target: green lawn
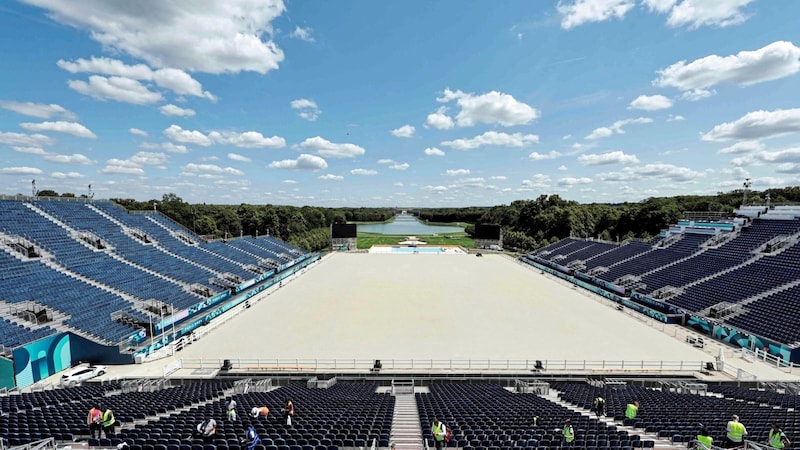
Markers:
<point>367,240</point>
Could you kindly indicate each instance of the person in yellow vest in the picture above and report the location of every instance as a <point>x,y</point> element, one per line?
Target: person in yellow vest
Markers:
<point>568,435</point>
<point>777,439</point>
<point>736,432</point>
<point>108,423</point>
<point>94,420</point>
<point>631,411</point>
<point>704,440</point>
<point>438,430</point>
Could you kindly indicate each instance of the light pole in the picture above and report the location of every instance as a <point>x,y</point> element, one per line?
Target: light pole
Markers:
<point>747,185</point>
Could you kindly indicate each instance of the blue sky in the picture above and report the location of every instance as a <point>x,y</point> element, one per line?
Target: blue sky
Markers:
<point>363,103</point>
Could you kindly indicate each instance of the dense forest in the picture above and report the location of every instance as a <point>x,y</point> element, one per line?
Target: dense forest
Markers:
<point>527,224</point>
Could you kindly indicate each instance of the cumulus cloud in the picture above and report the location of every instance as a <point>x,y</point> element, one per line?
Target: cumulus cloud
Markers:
<point>439,120</point>
<point>172,110</point>
<point>20,171</point>
<point>406,131</point>
<point>433,151</point>
<point>615,157</point>
<point>135,164</point>
<point>536,156</point>
<point>120,89</point>
<point>538,181</point>
<point>238,157</point>
<point>25,140</point>
<point>329,149</point>
<point>651,102</point>
<point>38,110</point>
<point>304,34</point>
<point>248,139</point>
<point>776,60</point>
<point>303,162</point>
<point>178,134</point>
<point>211,169</point>
<point>64,175</point>
<point>493,108</point>
<point>579,12</point>
<point>493,138</point>
<point>743,147</point>
<point>137,132</point>
<point>307,109</point>
<point>499,178</point>
<point>222,36</point>
<point>74,159</point>
<point>457,172</point>
<point>399,166</point>
<point>757,125</point>
<point>72,128</point>
<point>675,118</point>
<point>363,172</point>
<point>616,127</point>
<point>789,155</point>
<point>331,177</point>
<point>661,171</point>
<point>434,188</point>
<point>572,181</point>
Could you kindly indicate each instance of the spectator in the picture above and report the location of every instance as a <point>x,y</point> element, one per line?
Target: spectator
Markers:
<point>94,420</point>
<point>568,435</point>
<point>288,412</point>
<point>736,432</point>
<point>777,438</point>
<point>207,429</point>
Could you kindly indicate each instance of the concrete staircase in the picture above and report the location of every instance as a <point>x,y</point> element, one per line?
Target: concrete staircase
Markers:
<point>406,432</point>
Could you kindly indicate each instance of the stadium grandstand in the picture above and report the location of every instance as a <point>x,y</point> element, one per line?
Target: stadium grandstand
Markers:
<point>697,324</point>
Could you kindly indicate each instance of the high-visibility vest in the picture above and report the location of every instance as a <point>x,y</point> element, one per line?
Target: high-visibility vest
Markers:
<point>436,430</point>
<point>705,441</point>
<point>108,418</point>
<point>736,432</point>
<point>569,433</point>
<point>776,439</point>
<point>631,410</point>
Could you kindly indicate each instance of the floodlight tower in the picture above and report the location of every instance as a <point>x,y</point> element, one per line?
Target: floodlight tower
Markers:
<point>746,185</point>
<point>33,188</point>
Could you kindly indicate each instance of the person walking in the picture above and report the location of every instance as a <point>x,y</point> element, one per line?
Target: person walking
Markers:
<point>567,435</point>
<point>439,431</point>
<point>288,412</point>
<point>630,412</point>
<point>599,406</point>
<point>108,423</point>
<point>704,440</point>
<point>777,438</point>
<point>736,432</point>
<point>95,420</point>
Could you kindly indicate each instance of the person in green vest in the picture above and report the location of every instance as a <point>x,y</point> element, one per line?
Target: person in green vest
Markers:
<point>108,423</point>
<point>736,432</point>
<point>777,438</point>
<point>630,412</point>
<point>568,434</point>
<point>704,440</point>
<point>438,430</point>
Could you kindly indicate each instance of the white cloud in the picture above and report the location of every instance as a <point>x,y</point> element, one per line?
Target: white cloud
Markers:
<point>72,175</point>
<point>331,177</point>
<point>248,139</point>
<point>75,159</point>
<point>211,169</point>
<point>651,102</point>
<point>38,110</point>
<point>579,12</point>
<point>793,168</point>
<point>662,171</point>
<point>173,148</point>
<point>137,132</point>
<point>659,6</point>
<point>493,138</point>
<point>178,134</point>
<point>303,34</point>
<point>172,110</point>
<point>439,120</point>
<point>363,172</point>
<point>489,108</point>
<point>616,127</point>
<point>538,181</point>
<point>121,89</point>
<point>238,157</point>
<point>20,171</point>
<point>698,13</point>
<point>72,128</point>
<point>308,109</point>
<point>303,162</point>
<point>743,147</point>
<point>536,156</point>
<point>757,125</point>
<point>563,167</point>
<point>30,150</point>
<point>615,157</point>
<point>457,172</point>
<point>776,60</point>
<point>398,184</point>
<point>675,118</point>
<point>329,149</point>
<point>399,166</point>
<point>499,178</point>
<point>25,140</point>
<point>222,36</point>
<point>433,151</point>
<point>386,161</point>
<point>571,181</point>
<point>180,83</point>
<point>566,137</point>
<point>289,182</point>
<point>435,188</point>
<point>135,164</point>
<point>789,155</point>
<point>406,131</point>
<point>698,94</point>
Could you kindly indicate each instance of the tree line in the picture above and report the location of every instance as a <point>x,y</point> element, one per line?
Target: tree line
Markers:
<point>526,224</point>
